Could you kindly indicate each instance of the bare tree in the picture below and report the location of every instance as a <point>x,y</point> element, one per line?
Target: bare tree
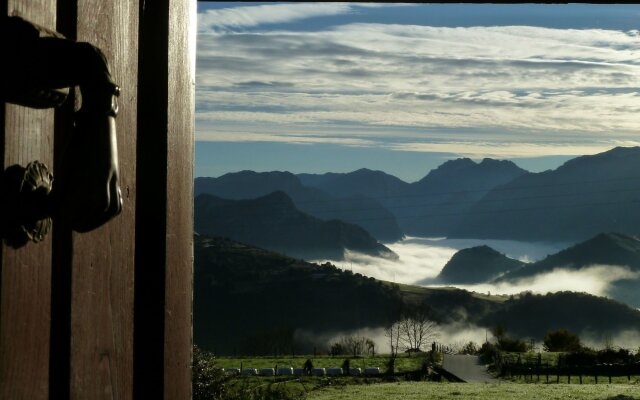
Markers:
<point>392,332</point>
<point>417,331</point>
<point>354,345</point>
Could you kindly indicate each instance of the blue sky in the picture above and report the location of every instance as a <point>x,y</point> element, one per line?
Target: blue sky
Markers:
<point>333,87</point>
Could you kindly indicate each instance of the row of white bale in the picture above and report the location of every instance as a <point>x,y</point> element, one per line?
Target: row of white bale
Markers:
<point>301,371</point>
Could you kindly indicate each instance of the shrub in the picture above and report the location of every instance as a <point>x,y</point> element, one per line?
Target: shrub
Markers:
<point>561,340</point>
<point>208,381</point>
<point>488,352</point>
<point>507,343</point>
<point>469,348</point>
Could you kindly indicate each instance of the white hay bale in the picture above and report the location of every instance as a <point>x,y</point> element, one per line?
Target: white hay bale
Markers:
<point>249,371</point>
<point>318,372</point>
<point>372,371</point>
<point>334,371</point>
<point>299,371</point>
<point>355,371</point>
<point>267,372</point>
<point>285,371</point>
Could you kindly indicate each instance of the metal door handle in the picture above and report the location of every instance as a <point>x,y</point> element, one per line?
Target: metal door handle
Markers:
<point>40,68</point>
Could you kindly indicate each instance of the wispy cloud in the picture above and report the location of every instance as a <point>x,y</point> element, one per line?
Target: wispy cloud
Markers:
<point>529,84</point>
<point>249,16</point>
<point>509,150</point>
<point>255,15</point>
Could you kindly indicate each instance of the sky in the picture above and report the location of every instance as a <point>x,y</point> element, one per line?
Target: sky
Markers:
<point>334,87</point>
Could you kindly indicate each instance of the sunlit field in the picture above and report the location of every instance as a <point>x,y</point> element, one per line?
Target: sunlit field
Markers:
<point>428,390</point>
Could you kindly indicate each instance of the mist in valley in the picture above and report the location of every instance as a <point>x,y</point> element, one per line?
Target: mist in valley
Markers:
<point>422,259</point>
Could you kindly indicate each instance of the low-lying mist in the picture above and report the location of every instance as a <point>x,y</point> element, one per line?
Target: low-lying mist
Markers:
<point>595,279</point>
<point>423,258</point>
<point>456,335</point>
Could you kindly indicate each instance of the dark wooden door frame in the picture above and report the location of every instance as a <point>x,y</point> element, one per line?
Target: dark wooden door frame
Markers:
<point>107,314</point>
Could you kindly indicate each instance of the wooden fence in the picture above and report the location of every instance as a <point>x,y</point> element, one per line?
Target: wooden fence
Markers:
<point>564,372</point>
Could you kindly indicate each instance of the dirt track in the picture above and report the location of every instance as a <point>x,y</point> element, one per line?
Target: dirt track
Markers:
<point>467,368</point>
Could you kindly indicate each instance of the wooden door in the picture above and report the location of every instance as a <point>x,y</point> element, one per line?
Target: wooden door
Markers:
<point>107,314</point>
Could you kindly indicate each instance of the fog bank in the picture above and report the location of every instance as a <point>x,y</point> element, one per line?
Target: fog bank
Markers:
<point>423,258</point>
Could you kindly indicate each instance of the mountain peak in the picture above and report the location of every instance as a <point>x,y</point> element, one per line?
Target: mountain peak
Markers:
<point>476,264</point>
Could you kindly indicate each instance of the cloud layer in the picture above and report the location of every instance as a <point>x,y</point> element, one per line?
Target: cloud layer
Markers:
<point>416,88</point>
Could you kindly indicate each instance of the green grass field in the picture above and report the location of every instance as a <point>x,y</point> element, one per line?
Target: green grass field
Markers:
<point>466,391</point>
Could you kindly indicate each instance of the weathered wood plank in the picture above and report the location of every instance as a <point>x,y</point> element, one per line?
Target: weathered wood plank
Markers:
<point>26,272</point>
<point>179,277</point>
<point>164,253</point>
<point>103,260</point>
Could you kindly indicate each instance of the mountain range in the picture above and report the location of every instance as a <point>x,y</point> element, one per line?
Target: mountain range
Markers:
<point>585,196</point>
<point>490,199</point>
<point>430,206</point>
<point>273,222</point>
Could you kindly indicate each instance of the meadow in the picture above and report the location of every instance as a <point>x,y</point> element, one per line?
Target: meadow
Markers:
<point>467,391</point>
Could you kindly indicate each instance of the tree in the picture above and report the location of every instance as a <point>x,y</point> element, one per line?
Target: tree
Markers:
<point>336,349</point>
<point>507,343</point>
<point>561,340</point>
<point>352,345</point>
<point>392,332</point>
<point>469,348</point>
<point>417,330</point>
<point>355,345</point>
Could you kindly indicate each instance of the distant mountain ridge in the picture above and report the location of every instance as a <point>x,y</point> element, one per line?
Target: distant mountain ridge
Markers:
<point>583,197</point>
<point>490,199</point>
<point>365,182</point>
<point>274,222</point>
<point>431,206</point>
<point>356,209</point>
